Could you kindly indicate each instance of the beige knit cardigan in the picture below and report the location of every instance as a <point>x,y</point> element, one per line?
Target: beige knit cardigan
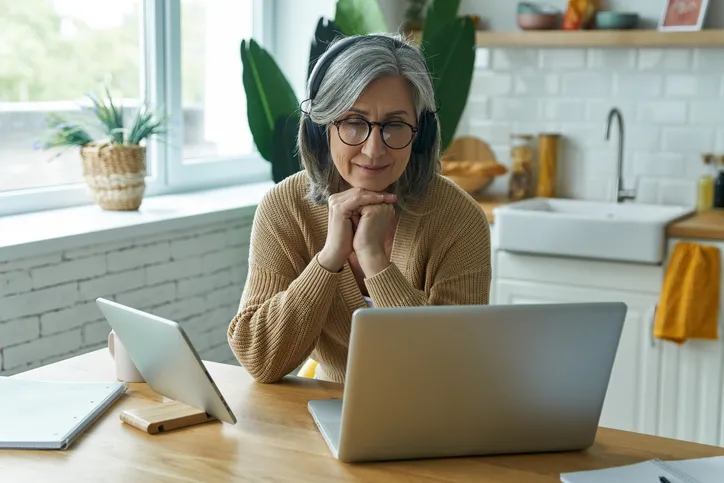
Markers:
<point>292,308</point>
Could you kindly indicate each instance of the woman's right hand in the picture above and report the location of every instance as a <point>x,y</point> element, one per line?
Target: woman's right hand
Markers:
<point>343,209</point>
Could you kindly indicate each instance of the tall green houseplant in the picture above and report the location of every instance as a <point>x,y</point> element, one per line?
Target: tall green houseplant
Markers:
<point>448,44</point>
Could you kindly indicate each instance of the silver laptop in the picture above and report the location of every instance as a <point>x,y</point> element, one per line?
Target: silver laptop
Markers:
<point>445,381</point>
<point>166,359</point>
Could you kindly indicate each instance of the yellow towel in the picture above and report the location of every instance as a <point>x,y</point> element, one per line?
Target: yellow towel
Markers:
<point>689,303</point>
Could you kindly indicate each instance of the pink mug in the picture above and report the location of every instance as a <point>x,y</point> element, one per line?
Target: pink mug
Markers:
<point>126,370</point>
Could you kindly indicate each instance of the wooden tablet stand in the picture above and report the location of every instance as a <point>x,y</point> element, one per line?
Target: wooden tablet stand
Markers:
<point>165,416</point>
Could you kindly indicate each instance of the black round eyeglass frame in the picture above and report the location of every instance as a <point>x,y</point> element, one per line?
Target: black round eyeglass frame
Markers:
<point>370,124</point>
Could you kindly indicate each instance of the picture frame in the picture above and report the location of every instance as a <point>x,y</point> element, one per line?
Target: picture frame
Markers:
<point>683,15</point>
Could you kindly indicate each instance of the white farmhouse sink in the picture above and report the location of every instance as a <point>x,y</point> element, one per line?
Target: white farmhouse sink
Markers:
<point>588,229</point>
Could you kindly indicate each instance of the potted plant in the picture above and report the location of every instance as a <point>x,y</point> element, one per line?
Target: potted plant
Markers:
<point>114,163</point>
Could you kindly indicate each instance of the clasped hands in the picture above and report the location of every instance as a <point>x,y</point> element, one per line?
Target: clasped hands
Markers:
<point>358,222</point>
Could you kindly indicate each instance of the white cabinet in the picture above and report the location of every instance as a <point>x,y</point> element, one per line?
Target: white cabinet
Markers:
<point>657,387</point>
<point>633,388</point>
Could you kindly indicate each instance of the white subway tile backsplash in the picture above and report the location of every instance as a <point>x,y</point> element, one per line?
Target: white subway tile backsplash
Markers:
<point>586,135</point>
<point>659,165</point>
<point>597,111</point>
<point>617,59</point>
<point>690,85</point>
<point>688,139</point>
<point>477,108</point>
<point>569,110</point>
<point>492,132</point>
<point>664,59</point>
<point>662,112</point>
<point>647,190</point>
<point>482,58</point>
<point>639,85</point>
<point>643,138</point>
<point>709,60</point>
<point>707,112</point>
<point>587,84</point>
<point>677,192</point>
<point>695,166</point>
<point>492,83</point>
<point>510,109</point>
<point>537,84</point>
<point>515,59</point>
<point>563,59</point>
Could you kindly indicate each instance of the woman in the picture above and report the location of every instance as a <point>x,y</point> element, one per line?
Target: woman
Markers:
<point>369,222</point>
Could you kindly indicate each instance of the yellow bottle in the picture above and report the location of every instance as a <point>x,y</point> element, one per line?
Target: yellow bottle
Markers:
<point>705,198</point>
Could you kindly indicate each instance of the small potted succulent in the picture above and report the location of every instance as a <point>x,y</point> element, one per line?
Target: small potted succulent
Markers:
<point>114,164</point>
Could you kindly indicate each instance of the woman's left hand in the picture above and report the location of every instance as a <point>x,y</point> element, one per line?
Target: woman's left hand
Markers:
<point>370,235</point>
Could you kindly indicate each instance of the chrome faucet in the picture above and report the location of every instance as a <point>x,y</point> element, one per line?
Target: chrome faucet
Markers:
<point>621,193</point>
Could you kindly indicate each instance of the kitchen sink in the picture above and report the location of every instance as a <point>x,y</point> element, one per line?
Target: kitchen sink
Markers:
<point>629,232</point>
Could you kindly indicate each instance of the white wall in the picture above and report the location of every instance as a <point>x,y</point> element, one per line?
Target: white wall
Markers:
<point>500,14</point>
<point>195,277</point>
<point>295,24</point>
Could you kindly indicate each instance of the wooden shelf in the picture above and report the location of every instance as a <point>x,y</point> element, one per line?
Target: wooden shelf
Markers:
<point>601,38</point>
<point>597,38</point>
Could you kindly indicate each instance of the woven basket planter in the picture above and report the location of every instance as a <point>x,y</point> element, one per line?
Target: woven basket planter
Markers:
<point>115,175</point>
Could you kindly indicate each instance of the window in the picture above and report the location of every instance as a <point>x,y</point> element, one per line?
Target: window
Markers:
<point>182,54</point>
<point>44,48</point>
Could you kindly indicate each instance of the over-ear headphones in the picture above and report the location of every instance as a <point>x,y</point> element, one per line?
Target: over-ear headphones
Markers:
<point>316,133</point>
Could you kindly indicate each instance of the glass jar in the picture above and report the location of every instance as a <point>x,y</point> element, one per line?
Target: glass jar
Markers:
<point>521,170</point>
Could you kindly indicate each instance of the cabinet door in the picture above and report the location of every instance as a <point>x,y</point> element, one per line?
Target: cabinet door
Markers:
<point>691,391</point>
<point>632,395</point>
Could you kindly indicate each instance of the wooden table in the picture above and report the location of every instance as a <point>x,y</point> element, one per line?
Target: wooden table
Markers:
<point>276,439</point>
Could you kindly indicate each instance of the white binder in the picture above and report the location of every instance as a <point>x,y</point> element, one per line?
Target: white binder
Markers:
<point>51,414</point>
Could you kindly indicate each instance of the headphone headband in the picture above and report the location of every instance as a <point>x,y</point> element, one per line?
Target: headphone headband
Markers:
<point>326,59</point>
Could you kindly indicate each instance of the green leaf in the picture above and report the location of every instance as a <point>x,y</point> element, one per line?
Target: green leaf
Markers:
<point>359,17</point>
<point>439,14</point>
<point>268,94</point>
<point>285,157</point>
<point>450,56</point>
<point>324,34</point>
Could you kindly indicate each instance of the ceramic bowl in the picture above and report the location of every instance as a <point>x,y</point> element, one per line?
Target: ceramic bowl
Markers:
<point>533,8</point>
<point>616,20</point>
<point>538,21</point>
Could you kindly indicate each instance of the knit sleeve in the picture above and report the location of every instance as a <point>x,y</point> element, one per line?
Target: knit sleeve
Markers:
<point>282,309</point>
<point>459,267</point>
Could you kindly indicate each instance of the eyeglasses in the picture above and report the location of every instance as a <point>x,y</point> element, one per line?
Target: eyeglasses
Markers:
<point>354,131</point>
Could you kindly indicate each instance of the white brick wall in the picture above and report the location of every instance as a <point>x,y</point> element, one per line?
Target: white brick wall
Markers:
<point>672,101</point>
<point>195,277</point>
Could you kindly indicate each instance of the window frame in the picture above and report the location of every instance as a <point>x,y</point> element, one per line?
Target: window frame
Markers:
<point>160,83</point>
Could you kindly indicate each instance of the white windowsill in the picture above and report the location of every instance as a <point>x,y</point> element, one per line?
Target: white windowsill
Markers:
<point>33,234</point>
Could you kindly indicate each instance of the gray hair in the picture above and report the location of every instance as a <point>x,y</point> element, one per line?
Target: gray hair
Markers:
<point>348,75</point>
